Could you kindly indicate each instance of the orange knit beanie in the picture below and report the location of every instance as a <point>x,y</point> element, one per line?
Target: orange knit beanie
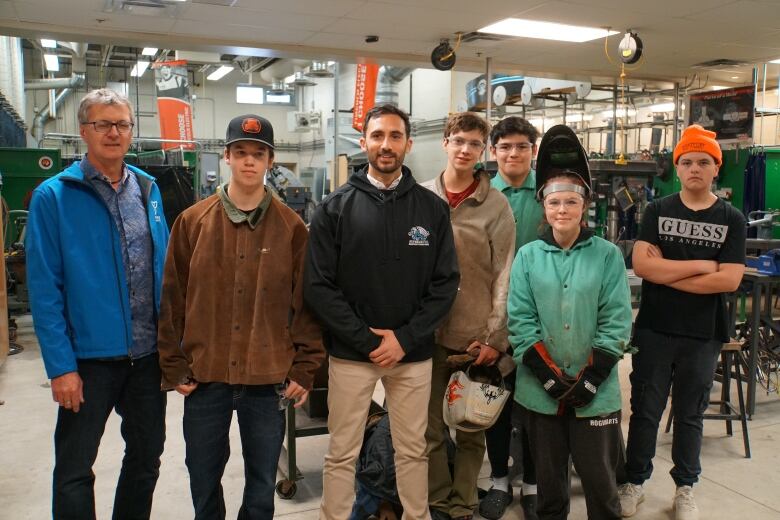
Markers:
<point>696,139</point>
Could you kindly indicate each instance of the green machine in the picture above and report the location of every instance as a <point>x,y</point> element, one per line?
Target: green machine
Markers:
<point>23,169</point>
<point>732,175</point>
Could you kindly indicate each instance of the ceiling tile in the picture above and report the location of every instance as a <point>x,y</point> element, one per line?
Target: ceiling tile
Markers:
<point>308,7</point>
<point>247,35</point>
<point>251,17</point>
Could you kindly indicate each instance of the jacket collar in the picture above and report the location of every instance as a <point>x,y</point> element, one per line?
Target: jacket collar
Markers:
<point>551,245</point>
<point>359,180</point>
<point>479,195</point>
<point>75,173</point>
<point>529,184</point>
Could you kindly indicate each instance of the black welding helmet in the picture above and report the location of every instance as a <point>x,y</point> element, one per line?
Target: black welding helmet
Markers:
<point>561,153</point>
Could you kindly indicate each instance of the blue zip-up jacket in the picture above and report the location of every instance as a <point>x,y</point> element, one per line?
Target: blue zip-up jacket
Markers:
<point>78,291</point>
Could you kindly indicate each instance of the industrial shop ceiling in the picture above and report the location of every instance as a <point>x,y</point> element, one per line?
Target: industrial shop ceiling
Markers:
<point>678,36</point>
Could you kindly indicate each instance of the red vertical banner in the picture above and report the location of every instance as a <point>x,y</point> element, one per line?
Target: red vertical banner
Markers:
<point>365,93</point>
<point>174,103</point>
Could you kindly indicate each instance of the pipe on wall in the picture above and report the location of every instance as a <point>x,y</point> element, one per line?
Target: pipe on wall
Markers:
<point>44,115</point>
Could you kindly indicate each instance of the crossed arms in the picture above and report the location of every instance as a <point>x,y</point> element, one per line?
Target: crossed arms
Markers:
<point>692,276</point>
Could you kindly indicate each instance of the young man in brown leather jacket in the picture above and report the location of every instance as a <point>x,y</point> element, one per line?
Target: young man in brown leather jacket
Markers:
<point>234,333</point>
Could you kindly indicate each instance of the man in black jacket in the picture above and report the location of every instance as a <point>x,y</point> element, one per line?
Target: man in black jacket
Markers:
<point>381,274</point>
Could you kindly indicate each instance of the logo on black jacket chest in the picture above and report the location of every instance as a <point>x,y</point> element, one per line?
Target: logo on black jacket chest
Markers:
<point>418,236</point>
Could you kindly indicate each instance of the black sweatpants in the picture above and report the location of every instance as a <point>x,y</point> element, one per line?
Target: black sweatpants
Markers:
<point>498,438</point>
<point>594,444</point>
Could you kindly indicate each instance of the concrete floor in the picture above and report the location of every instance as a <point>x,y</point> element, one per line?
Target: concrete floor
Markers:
<point>731,487</point>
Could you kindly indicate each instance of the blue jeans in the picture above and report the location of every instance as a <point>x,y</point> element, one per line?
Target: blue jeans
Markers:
<point>687,366</point>
<point>208,412</point>
<point>366,503</point>
<point>133,389</point>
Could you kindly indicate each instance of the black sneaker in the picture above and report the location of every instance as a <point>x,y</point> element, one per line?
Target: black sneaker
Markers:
<point>528,503</point>
<point>494,505</point>
<point>438,514</point>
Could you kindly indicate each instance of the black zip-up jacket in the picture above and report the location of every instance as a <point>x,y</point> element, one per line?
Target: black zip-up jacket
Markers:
<point>383,259</point>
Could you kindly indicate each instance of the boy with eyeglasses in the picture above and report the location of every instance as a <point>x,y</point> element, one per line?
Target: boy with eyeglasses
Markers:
<point>95,309</point>
<point>484,231</point>
<point>513,145</point>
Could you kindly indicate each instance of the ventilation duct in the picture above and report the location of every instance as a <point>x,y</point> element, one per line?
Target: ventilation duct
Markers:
<point>47,84</point>
<point>319,69</point>
<point>387,84</point>
<point>44,115</point>
<point>301,80</point>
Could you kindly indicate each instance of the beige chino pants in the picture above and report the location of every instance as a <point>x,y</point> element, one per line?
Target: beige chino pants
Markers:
<point>350,387</point>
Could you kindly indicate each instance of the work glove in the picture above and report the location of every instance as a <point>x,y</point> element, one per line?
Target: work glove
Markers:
<point>587,384</point>
<point>552,378</point>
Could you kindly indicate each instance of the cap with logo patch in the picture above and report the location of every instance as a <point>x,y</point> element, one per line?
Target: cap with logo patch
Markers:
<point>250,127</point>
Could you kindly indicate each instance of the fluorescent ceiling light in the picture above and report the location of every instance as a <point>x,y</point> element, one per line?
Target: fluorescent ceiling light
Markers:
<point>734,77</point>
<point>52,63</point>
<point>249,94</point>
<point>221,72</point>
<point>49,44</point>
<point>662,107</point>
<point>139,68</point>
<point>718,87</point>
<point>546,30</point>
<point>775,61</point>
<point>149,51</point>
<point>290,78</point>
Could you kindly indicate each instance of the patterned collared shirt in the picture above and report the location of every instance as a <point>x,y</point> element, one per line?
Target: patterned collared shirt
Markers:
<point>128,209</point>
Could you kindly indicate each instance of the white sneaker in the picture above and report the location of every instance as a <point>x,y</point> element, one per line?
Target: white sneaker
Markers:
<point>631,495</point>
<point>684,504</point>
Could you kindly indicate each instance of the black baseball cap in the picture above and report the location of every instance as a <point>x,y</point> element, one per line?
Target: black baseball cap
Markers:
<point>250,127</point>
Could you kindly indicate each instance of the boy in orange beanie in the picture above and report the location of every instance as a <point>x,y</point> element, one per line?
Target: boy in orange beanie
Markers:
<point>690,252</point>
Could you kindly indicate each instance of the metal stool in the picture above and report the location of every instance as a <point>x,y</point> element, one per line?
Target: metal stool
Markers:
<point>729,355</point>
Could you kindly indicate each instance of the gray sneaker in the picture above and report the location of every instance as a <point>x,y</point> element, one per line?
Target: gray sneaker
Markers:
<point>631,495</point>
<point>684,504</point>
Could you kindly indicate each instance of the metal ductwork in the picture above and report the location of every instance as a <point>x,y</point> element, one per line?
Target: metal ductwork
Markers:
<point>319,69</point>
<point>280,69</point>
<point>12,74</point>
<point>44,115</point>
<point>75,80</point>
<point>387,84</point>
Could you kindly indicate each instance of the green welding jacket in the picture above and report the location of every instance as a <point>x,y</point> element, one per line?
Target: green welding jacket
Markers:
<point>573,300</point>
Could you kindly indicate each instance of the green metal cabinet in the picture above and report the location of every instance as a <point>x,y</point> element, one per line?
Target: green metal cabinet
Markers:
<point>23,169</point>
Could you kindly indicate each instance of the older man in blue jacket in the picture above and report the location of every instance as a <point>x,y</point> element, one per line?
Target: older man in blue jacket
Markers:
<point>95,245</point>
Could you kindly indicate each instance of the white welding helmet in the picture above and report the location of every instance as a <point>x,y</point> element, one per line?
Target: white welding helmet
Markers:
<point>471,402</point>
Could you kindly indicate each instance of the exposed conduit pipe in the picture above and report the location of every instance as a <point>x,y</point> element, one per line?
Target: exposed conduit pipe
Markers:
<point>75,80</point>
<point>44,114</point>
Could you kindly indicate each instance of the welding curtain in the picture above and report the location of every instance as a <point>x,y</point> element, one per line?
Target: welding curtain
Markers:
<point>755,187</point>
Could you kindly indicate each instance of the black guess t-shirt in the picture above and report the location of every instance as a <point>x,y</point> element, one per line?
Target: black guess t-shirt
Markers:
<point>716,233</point>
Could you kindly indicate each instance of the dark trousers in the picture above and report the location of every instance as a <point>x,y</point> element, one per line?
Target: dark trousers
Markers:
<point>133,389</point>
<point>687,366</point>
<point>498,439</point>
<point>208,412</point>
<point>594,444</point>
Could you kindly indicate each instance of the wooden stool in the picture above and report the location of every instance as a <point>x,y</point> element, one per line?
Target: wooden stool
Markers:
<point>729,355</point>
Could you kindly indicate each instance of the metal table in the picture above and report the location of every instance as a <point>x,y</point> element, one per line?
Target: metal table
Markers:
<point>760,316</point>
